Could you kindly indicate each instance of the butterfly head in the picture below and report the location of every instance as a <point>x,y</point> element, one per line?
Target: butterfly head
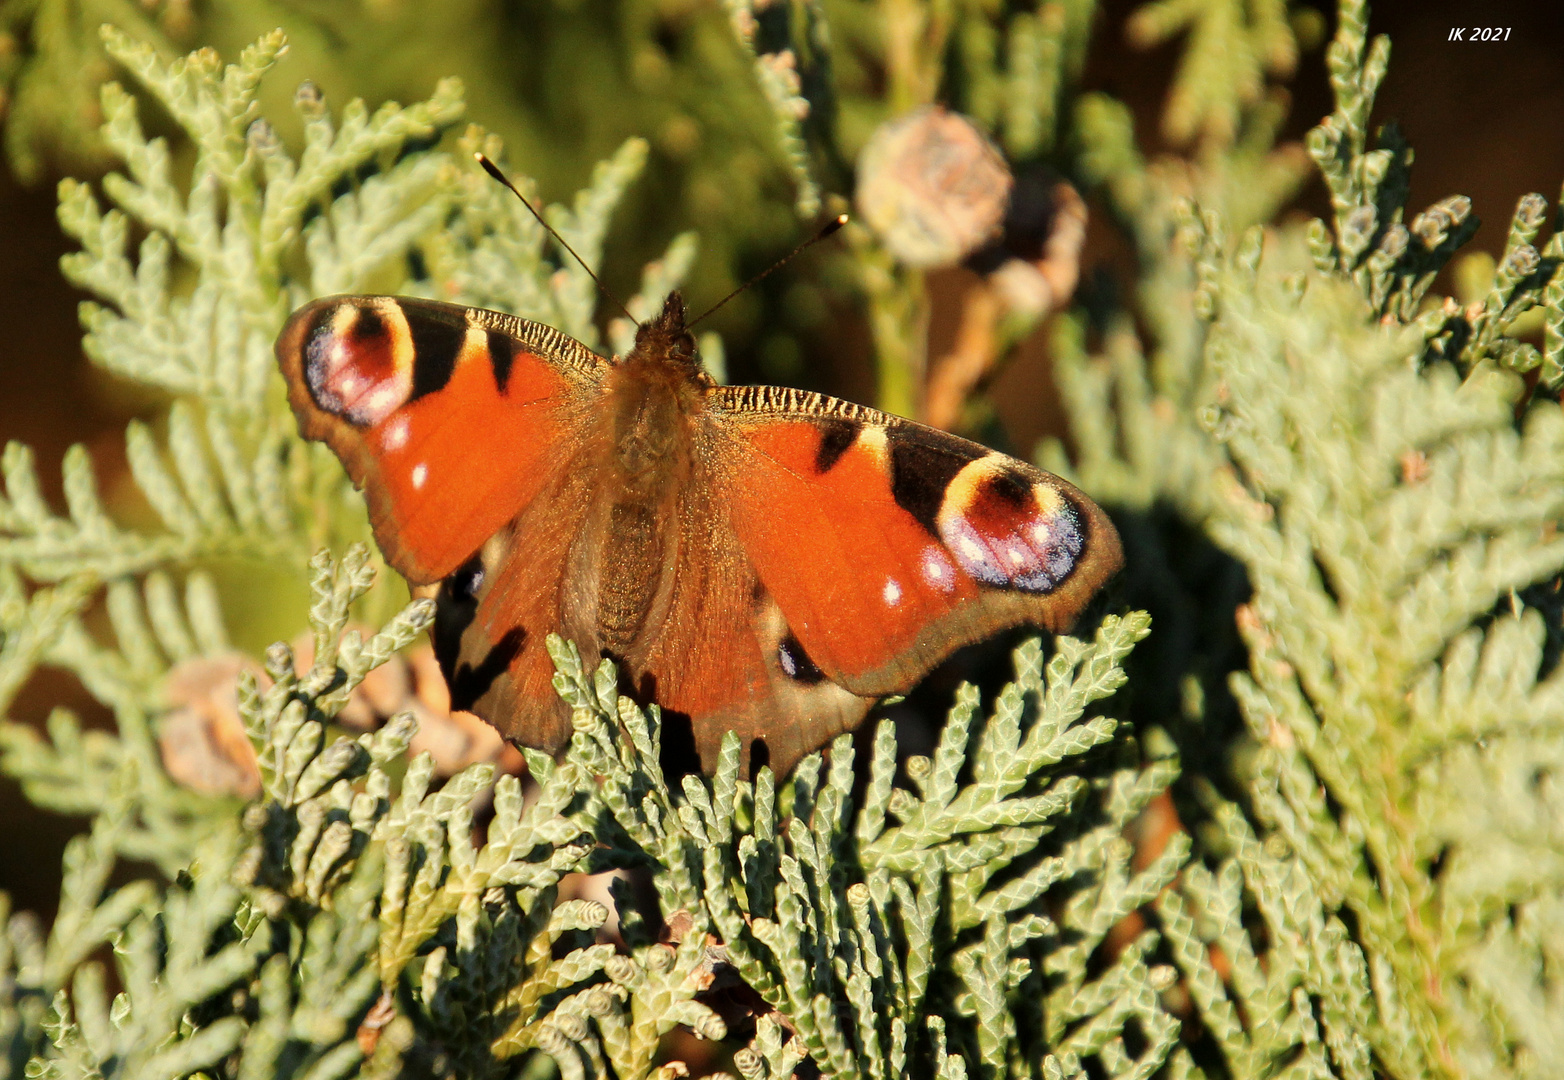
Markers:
<point>666,338</point>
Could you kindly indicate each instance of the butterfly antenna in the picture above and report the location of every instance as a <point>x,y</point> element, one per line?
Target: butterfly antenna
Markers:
<point>494,171</point>
<point>829,229</point>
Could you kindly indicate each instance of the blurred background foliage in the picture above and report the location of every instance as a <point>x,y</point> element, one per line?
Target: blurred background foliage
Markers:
<point>1139,106</point>
<point>565,83</point>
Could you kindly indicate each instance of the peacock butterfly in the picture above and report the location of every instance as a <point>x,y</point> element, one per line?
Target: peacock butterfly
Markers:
<point>755,558</point>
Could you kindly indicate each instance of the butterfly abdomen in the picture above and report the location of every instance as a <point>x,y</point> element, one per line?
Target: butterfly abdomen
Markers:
<point>633,554</point>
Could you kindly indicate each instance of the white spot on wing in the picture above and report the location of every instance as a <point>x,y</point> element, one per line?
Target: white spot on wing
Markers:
<point>420,474</point>
<point>387,396</point>
<point>395,436</point>
<point>891,593</point>
<point>937,571</point>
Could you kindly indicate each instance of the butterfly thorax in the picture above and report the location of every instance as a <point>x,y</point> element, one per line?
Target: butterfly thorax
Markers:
<point>654,392</point>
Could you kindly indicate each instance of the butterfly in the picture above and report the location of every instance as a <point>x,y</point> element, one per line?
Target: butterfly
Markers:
<point>754,558</point>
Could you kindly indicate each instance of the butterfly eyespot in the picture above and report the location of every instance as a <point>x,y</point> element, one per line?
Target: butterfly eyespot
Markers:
<point>350,364</point>
<point>796,664</point>
<point>468,579</point>
<point>1002,553</point>
<point>1007,531</point>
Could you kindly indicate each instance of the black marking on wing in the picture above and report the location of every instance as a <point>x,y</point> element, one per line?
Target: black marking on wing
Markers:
<point>1010,486</point>
<point>836,437</point>
<point>467,579</point>
<point>470,683</point>
<point>922,466</point>
<point>455,604</point>
<point>502,353</point>
<point>436,344</point>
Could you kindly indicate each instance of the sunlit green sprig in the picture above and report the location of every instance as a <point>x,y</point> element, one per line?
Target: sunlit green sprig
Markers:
<point>776,65</point>
<point>89,772</point>
<point>858,925</point>
<point>1394,264</point>
<point>205,971</point>
<point>1379,544</point>
<point>1231,49</point>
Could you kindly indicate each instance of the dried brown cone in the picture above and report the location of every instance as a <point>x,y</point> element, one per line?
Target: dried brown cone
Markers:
<point>932,187</point>
<point>1027,288</point>
<point>204,745</point>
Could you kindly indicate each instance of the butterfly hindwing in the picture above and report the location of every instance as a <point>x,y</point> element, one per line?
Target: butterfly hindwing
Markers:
<point>495,612</point>
<point>887,544</point>
<point>451,419</point>
<point>722,655</point>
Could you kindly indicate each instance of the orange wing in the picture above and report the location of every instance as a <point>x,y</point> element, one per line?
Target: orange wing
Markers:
<point>722,657</point>
<point>888,545</point>
<point>494,614</point>
<point>451,419</point>
<point>467,431</point>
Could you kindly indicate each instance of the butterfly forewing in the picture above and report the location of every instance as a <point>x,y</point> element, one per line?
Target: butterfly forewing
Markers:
<point>917,542</point>
<point>451,419</point>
